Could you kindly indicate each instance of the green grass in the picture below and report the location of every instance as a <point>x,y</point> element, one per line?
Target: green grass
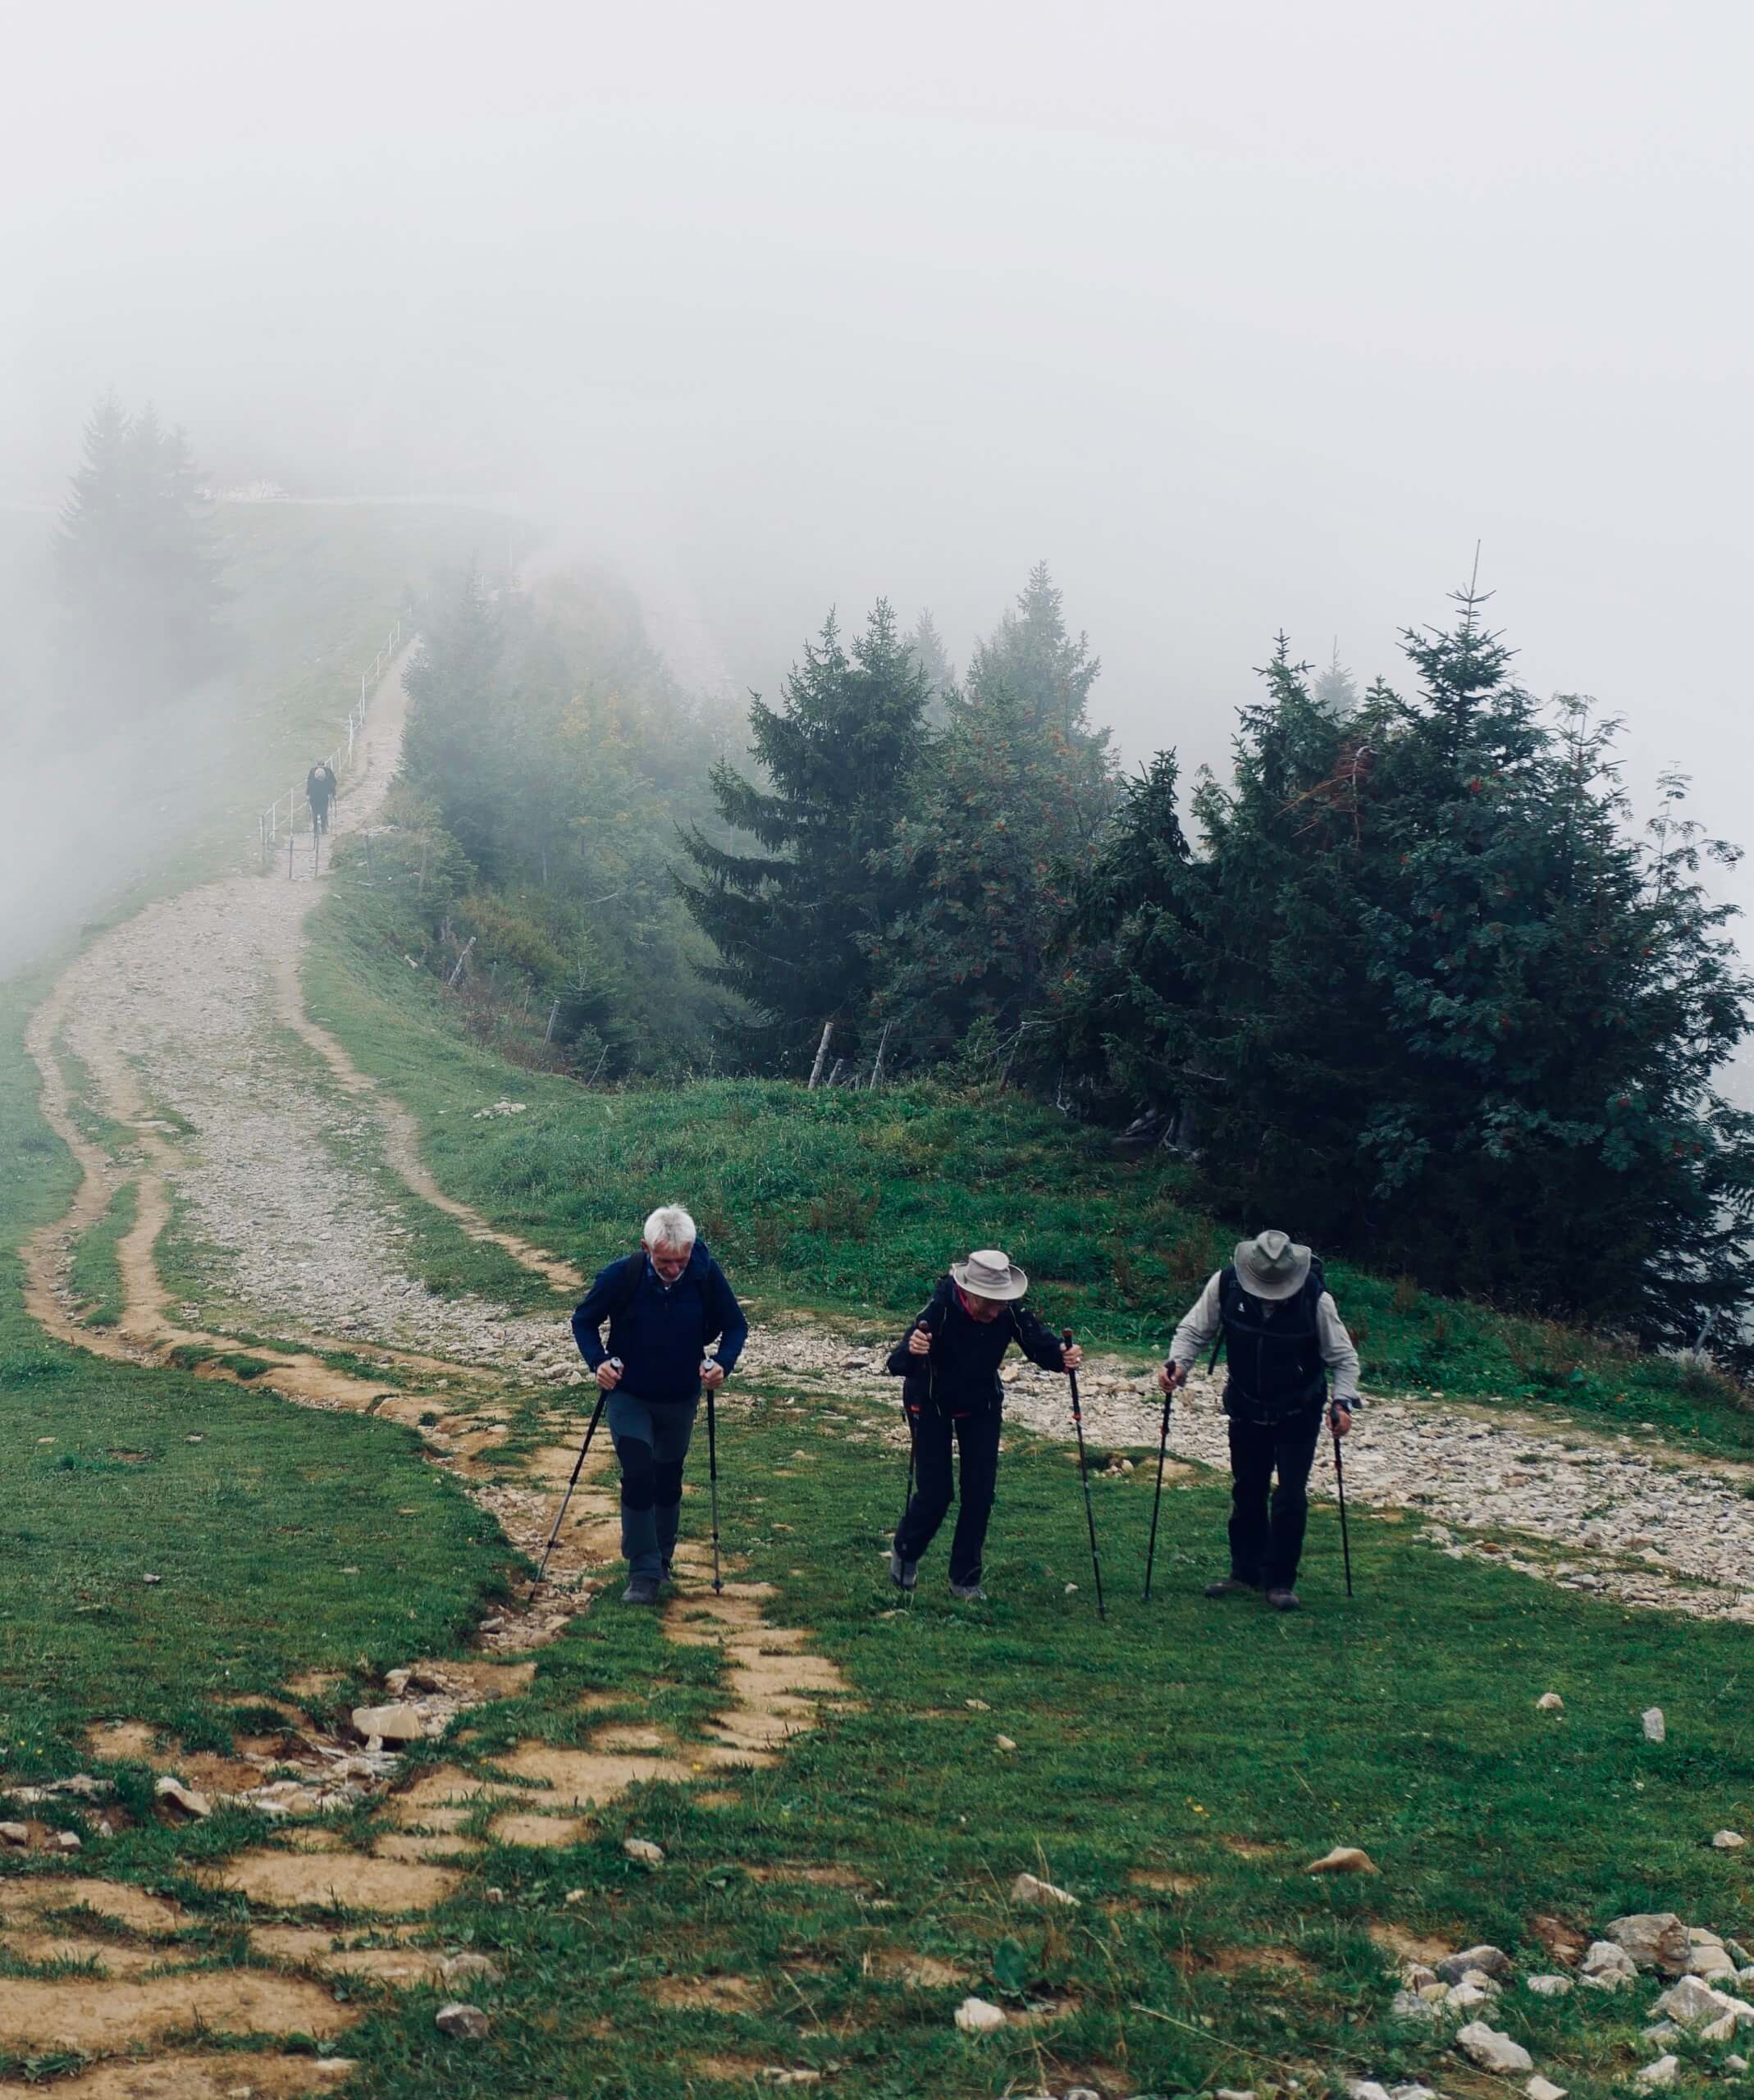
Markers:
<point>854,1202</point>
<point>96,1277</point>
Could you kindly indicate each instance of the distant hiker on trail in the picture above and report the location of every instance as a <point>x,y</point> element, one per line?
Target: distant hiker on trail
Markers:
<point>320,791</point>
<point>1282,1336</point>
<point>665,1305</point>
<point>950,1359</point>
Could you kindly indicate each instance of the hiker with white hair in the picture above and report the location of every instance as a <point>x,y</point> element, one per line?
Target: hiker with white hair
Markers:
<point>1283,1339</point>
<point>666,1305</point>
<point>949,1359</point>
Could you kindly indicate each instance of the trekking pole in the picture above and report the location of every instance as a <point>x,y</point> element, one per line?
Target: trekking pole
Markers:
<point>579,1468</point>
<point>921,1325</point>
<point>1157,1500</point>
<point>1083,1472</point>
<point>1340,1481</point>
<point>712,1475</point>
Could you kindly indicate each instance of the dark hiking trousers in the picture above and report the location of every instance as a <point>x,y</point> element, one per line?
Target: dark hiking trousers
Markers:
<point>935,1489</point>
<point>651,1441</point>
<point>319,812</point>
<point>1267,1528</point>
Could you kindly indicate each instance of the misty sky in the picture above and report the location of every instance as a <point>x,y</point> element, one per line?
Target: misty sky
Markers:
<point>1242,315</point>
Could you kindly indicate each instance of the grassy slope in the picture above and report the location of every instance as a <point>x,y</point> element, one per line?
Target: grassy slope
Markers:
<point>855,1202</point>
<point>252,1526</point>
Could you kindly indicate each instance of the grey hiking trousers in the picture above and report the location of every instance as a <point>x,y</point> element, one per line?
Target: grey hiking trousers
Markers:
<point>651,1441</point>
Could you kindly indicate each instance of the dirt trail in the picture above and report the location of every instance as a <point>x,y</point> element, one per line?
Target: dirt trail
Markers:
<point>226,1105</point>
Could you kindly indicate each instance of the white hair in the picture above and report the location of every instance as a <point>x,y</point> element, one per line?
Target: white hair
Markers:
<point>669,1225</point>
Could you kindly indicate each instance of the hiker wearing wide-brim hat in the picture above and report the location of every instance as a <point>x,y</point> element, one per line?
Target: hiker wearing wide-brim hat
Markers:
<point>1283,1340</point>
<point>949,1359</point>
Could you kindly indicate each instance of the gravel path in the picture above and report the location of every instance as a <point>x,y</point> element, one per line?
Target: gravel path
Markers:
<point>1589,1511</point>
<point>189,1018</point>
<point>180,1017</point>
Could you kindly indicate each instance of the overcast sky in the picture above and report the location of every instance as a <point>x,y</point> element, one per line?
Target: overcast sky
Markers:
<point>1241,316</point>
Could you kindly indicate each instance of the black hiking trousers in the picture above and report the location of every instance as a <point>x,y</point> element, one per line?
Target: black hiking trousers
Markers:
<point>977,1434</point>
<point>1268,1522</point>
<point>319,812</point>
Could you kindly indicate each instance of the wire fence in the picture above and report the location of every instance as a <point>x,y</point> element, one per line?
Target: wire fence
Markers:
<point>271,824</point>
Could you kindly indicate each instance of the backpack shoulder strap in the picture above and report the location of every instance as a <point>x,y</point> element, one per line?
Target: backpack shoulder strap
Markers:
<point>632,1276</point>
<point>1228,1287</point>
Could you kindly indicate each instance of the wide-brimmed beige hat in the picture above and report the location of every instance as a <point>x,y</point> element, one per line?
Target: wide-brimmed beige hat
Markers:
<point>1272,1265</point>
<point>990,1272</point>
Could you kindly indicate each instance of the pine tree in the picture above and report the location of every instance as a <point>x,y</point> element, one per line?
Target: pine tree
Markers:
<point>1019,791</point>
<point>993,848</point>
<point>926,652</point>
<point>1335,691</point>
<point>455,746</point>
<point>1030,655</point>
<point>796,925</point>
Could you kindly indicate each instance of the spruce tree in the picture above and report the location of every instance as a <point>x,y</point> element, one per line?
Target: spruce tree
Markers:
<point>1008,822</point>
<point>137,576</point>
<point>1335,691</point>
<point>1047,671</point>
<point>926,651</point>
<point>796,924</point>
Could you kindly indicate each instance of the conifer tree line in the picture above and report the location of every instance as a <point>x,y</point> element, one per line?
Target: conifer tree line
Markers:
<point>1406,978</point>
<point>139,598</point>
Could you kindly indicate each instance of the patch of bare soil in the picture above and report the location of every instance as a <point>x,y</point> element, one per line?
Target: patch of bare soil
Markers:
<point>1565,1942</point>
<point>1409,1946</point>
<point>352,1881</point>
<point>220,2076</point>
<point>133,1907</point>
<point>1166,1883</point>
<point>585,1778</point>
<point>918,1972</point>
<point>44,1950</point>
<point>808,1874</point>
<point>706,1994</point>
<point>553,1831</point>
<point>90,2015</point>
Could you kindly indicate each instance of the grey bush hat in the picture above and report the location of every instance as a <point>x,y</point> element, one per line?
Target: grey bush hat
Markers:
<point>1272,1265</point>
<point>989,1272</point>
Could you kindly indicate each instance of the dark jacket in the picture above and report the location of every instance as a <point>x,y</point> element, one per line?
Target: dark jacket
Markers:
<point>319,784</point>
<point>661,1331</point>
<point>961,1375</point>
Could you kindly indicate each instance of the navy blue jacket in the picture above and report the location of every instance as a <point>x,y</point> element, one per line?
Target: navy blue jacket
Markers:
<point>662,1332</point>
<point>960,1375</point>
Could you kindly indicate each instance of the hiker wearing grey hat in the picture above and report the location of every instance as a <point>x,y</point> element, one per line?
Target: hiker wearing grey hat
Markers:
<point>1283,1338</point>
<point>949,1359</point>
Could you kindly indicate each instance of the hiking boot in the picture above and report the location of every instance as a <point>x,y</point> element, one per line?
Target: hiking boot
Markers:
<point>903,1573</point>
<point>1285,1600</point>
<point>642,1589</point>
<point>1232,1585</point>
<point>970,1593</point>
